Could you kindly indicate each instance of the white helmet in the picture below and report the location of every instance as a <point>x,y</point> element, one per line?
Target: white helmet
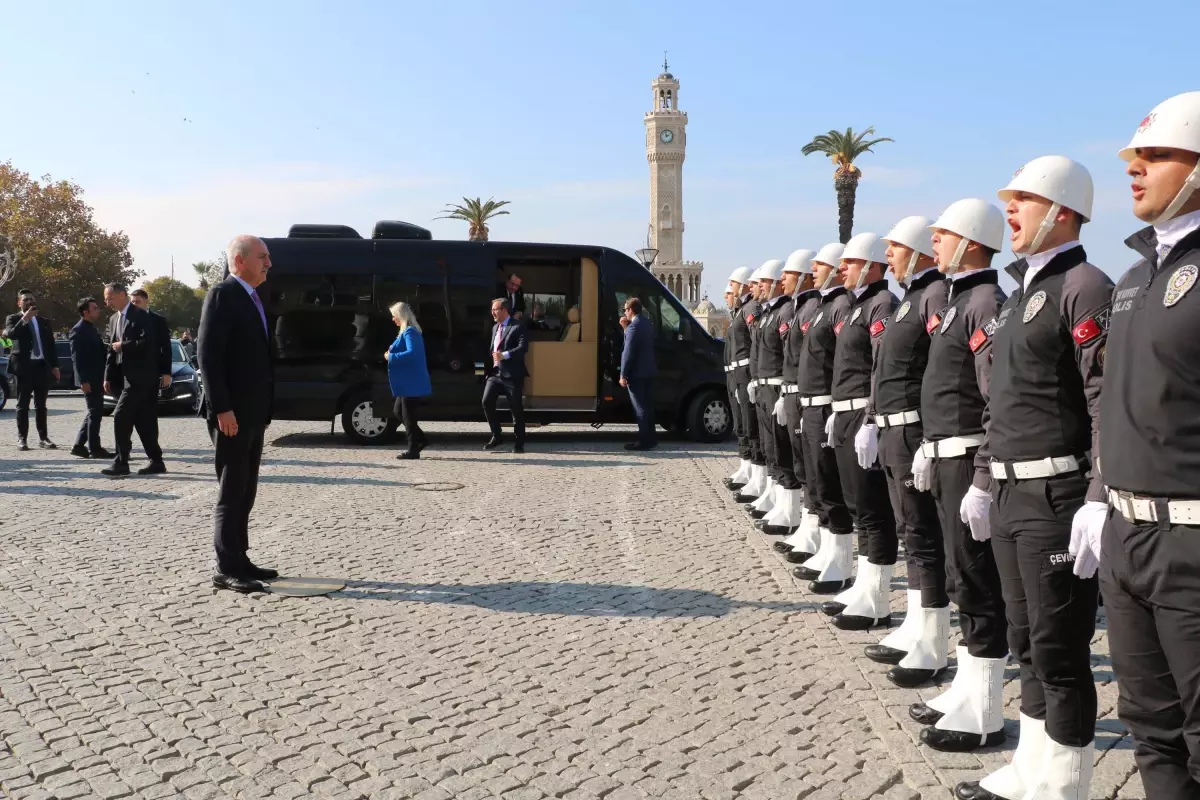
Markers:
<point>1065,183</point>
<point>870,248</point>
<point>770,270</point>
<point>800,262</point>
<point>1174,123</point>
<point>974,220</point>
<point>830,254</point>
<point>740,275</point>
<point>913,233</point>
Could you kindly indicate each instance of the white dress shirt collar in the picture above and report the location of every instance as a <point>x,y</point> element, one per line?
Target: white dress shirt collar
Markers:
<point>249,289</point>
<point>1170,233</point>
<point>1038,261</point>
<point>958,276</point>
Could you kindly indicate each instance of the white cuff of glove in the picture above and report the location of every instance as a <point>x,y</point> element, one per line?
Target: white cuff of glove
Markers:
<point>1087,527</point>
<point>974,509</point>
<point>922,470</point>
<point>866,445</point>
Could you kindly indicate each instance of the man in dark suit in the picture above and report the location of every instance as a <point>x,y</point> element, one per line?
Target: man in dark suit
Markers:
<point>234,349</point>
<point>638,369</point>
<point>162,336</point>
<point>88,355</point>
<point>506,375</point>
<point>132,371</point>
<point>515,296</point>
<point>34,361</point>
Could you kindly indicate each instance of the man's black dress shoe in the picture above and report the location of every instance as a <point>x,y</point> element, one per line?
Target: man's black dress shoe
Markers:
<point>912,677</point>
<point>971,790</point>
<point>958,741</point>
<point>261,573</point>
<point>236,584</point>
<point>155,468</point>
<point>924,714</point>
<point>100,452</point>
<point>805,573</point>
<point>831,608</point>
<point>830,587</point>
<point>733,486</point>
<point>409,455</point>
<point>743,499</point>
<point>81,451</point>
<point>884,655</point>
<point>782,547</point>
<point>797,557</point>
<point>116,471</point>
<point>853,622</point>
<point>519,448</point>
<point>773,530</point>
<point>492,444</point>
<point>640,446</point>
<point>22,444</point>
<point>46,444</point>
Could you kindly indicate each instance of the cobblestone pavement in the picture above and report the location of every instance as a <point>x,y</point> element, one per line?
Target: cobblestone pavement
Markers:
<point>577,622</point>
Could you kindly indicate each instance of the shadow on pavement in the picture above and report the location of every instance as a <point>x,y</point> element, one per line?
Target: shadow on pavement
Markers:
<point>78,491</point>
<point>549,441</point>
<point>571,599</point>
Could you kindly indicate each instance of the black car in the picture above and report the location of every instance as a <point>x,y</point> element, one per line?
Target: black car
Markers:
<point>66,368</point>
<point>186,390</point>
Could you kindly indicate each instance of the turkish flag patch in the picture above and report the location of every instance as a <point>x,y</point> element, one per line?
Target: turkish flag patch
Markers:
<point>804,327</point>
<point>933,323</point>
<point>878,326</point>
<point>977,340</point>
<point>837,329</point>
<point>783,329</point>
<point>1086,331</point>
<point>749,319</point>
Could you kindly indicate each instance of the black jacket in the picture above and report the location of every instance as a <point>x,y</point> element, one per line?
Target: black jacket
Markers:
<point>858,340</point>
<point>88,354</point>
<point>137,363</point>
<point>162,337</point>
<point>21,358</point>
<point>815,375</point>
<point>1150,407</point>
<point>512,342</point>
<point>804,308</point>
<point>770,331</point>
<point>637,356</point>
<point>236,360</point>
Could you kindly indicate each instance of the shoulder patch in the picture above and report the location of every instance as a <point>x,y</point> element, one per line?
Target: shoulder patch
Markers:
<point>977,340</point>
<point>878,326</point>
<point>750,319</point>
<point>783,328</point>
<point>950,315</point>
<point>1034,306</point>
<point>1086,331</point>
<point>857,313</point>
<point>932,324</point>
<point>804,327</point>
<point>904,307</point>
<point>837,329</point>
<point>990,327</point>
<point>1181,282</point>
<point>817,321</point>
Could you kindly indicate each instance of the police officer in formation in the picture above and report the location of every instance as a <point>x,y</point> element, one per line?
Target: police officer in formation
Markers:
<point>737,372</point>
<point>763,490</point>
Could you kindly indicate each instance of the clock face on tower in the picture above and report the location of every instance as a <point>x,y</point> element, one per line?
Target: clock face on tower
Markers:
<point>667,136</point>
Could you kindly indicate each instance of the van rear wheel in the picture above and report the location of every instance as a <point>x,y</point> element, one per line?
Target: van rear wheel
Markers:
<point>709,418</point>
<point>362,426</point>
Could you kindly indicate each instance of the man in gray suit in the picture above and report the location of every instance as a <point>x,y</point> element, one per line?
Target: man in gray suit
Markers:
<point>638,369</point>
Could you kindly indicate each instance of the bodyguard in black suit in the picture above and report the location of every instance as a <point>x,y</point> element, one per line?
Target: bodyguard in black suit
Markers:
<point>88,355</point>
<point>132,370</point>
<point>234,349</point>
<point>34,361</point>
<point>638,369</point>
<point>162,336</point>
<point>511,291</point>
<point>506,375</point>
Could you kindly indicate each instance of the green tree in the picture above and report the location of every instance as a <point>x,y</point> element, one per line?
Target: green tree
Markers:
<point>176,301</point>
<point>62,253</point>
<point>210,273</point>
<point>476,214</point>
<point>842,149</point>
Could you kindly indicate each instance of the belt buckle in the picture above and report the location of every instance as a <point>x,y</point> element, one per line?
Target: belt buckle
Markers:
<point>1125,505</point>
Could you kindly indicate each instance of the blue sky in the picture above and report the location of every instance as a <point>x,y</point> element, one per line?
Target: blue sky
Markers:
<point>190,123</point>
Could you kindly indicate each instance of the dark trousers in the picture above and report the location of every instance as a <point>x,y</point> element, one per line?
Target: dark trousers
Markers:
<point>736,391</point>
<point>238,459</point>
<point>1051,613</point>
<point>137,407</point>
<point>406,408</point>
<point>89,429</point>
<point>821,470</point>
<point>866,494</point>
<point>749,412</point>
<point>1150,578</point>
<point>777,447</point>
<point>641,396</point>
<point>916,515</point>
<point>795,437</point>
<point>32,383</point>
<point>973,577</point>
<point>512,389</point>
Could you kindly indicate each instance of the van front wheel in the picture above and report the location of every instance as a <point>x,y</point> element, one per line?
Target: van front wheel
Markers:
<point>362,426</point>
<point>709,417</point>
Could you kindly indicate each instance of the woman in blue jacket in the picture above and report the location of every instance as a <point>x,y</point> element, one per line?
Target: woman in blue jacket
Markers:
<point>408,376</point>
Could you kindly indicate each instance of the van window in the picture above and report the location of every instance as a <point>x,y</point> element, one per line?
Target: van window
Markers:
<point>321,314</point>
<point>668,322</point>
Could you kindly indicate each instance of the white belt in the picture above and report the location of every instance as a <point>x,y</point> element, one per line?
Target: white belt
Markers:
<point>902,418</point>
<point>850,405</point>
<point>770,381</point>
<point>790,388</point>
<point>1143,509</point>
<point>1042,468</point>
<point>816,400</point>
<point>952,447</point>
<point>745,362</point>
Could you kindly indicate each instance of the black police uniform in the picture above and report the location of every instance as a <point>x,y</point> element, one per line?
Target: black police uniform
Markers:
<point>1150,568</point>
<point>896,405</point>
<point>804,305</point>
<point>815,379</point>
<point>866,491</point>
<point>737,341</point>
<point>777,449</point>
<point>1044,404</point>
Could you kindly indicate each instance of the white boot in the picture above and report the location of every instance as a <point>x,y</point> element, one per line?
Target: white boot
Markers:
<point>1066,772</point>
<point>766,500</point>
<point>980,706</point>
<point>807,538</point>
<point>910,630</point>
<point>789,508</point>
<point>742,473</point>
<point>850,595</point>
<point>928,650</point>
<point>841,559</point>
<point>757,483</point>
<point>824,551</point>
<point>1014,779</point>
<point>874,598</point>
<point>948,699</point>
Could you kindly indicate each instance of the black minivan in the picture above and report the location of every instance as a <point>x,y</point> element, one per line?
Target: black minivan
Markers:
<point>327,297</point>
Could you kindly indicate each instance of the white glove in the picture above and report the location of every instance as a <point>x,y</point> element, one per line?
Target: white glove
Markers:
<point>1086,527</point>
<point>974,512</point>
<point>866,445</point>
<point>829,428</point>
<point>750,391</point>
<point>737,398</point>
<point>780,414</point>
<point>922,470</point>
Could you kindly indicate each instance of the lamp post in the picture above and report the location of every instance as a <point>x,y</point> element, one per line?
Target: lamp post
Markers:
<point>646,255</point>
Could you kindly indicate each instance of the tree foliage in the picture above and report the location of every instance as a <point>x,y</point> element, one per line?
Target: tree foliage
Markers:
<point>176,301</point>
<point>62,254</point>
<point>476,213</point>
<point>210,273</point>
<point>842,149</point>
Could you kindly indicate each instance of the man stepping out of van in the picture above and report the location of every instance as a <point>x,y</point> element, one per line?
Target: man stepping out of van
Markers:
<point>506,375</point>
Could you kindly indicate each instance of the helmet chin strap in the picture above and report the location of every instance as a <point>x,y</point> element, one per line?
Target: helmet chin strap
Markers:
<point>1190,185</point>
<point>1042,231</point>
<point>956,259</point>
<point>862,273</point>
<point>912,265</point>
<point>828,279</point>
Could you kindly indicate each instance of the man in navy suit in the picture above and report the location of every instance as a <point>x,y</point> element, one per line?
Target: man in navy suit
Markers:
<point>34,361</point>
<point>89,355</point>
<point>507,375</point>
<point>638,369</point>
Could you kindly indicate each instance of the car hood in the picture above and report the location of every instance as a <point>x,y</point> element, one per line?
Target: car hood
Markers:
<point>181,370</point>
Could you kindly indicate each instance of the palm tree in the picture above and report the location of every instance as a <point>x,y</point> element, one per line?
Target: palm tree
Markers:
<point>201,269</point>
<point>842,149</point>
<point>476,213</point>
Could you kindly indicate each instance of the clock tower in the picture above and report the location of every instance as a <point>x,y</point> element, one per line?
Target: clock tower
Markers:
<point>666,142</point>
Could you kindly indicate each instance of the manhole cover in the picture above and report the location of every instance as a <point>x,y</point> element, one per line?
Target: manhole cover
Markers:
<point>437,487</point>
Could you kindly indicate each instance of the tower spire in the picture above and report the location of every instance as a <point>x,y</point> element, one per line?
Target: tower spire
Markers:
<point>665,68</point>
